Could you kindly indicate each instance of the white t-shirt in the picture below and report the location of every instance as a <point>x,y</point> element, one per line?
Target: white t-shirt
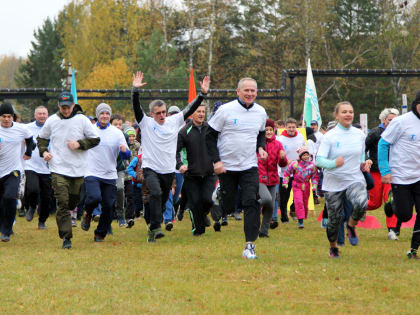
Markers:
<point>72,163</point>
<point>239,128</point>
<point>102,159</point>
<point>159,143</point>
<point>290,145</point>
<point>36,163</point>
<point>11,155</point>
<point>349,144</point>
<point>403,133</point>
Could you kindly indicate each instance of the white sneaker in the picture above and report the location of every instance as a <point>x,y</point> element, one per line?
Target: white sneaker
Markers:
<point>249,251</point>
<point>392,236</point>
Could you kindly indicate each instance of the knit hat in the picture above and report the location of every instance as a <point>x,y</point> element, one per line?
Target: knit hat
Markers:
<point>302,150</point>
<point>173,110</point>
<point>269,123</point>
<point>331,125</point>
<point>103,107</point>
<point>6,108</point>
<point>129,131</point>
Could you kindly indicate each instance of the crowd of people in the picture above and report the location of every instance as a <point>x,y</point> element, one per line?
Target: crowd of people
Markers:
<point>105,168</point>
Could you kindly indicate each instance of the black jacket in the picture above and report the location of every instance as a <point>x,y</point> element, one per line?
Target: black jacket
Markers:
<point>371,147</point>
<point>193,140</point>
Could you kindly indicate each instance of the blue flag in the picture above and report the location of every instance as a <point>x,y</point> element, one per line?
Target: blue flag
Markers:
<point>73,89</point>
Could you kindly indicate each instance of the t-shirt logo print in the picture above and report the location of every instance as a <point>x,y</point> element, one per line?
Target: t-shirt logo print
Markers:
<point>235,121</point>
<point>412,137</point>
<point>337,144</point>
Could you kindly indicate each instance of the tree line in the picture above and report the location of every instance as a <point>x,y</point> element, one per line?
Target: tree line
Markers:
<point>107,40</point>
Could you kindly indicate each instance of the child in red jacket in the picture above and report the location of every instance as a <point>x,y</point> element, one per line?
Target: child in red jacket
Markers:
<point>268,175</point>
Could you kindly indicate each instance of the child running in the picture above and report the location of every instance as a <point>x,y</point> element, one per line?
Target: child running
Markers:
<point>303,170</point>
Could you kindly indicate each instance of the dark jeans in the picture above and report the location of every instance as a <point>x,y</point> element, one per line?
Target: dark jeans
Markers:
<point>200,190</point>
<point>101,191</point>
<point>38,186</point>
<point>9,186</point>
<point>159,186</point>
<point>284,199</point>
<point>248,180</point>
<point>129,197</point>
<point>138,200</point>
<point>405,197</point>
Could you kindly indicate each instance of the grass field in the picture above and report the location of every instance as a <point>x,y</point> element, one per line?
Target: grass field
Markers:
<point>184,275</point>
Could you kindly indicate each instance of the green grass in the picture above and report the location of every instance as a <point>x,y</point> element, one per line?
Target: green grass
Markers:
<point>184,275</point>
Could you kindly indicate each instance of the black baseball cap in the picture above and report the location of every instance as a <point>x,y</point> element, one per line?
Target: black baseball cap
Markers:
<point>65,99</point>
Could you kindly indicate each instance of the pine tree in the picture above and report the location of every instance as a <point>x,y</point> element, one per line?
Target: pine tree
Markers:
<point>43,66</point>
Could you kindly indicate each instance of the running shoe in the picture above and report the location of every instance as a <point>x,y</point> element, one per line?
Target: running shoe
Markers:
<point>262,235</point>
<point>352,236</point>
<point>334,252</point>
<point>301,225</point>
<point>122,223</point>
<point>42,226</point>
<point>392,236</point>
<point>85,225</point>
<point>30,214</point>
<point>96,218</point>
<point>217,226</point>
<point>5,238</point>
<point>273,224</point>
<point>237,216</point>
<point>224,221</point>
<point>249,251</point>
<point>412,254</point>
<point>130,223</point>
<point>169,226</point>
<point>73,223</point>
<point>66,243</point>
<point>98,239</point>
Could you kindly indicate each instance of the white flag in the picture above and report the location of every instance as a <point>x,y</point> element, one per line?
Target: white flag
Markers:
<point>311,109</point>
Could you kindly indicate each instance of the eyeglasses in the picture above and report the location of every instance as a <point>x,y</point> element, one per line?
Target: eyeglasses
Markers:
<point>163,112</point>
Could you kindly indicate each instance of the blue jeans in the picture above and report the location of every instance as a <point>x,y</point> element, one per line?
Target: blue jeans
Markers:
<point>345,215</point>
<point>168,215</point>
<point>276,204</point>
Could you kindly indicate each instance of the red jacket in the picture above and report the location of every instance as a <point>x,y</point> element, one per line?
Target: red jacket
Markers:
<point>267,170</point>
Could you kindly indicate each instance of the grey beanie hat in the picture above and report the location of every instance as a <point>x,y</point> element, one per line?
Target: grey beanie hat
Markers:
<point>103,108</point>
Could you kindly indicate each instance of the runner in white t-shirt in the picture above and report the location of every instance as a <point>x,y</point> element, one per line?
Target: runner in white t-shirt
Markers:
<point>159,136</point>
<point>101,173</point>
<point>70,134</point>
<point>12,135</point>
<point>401,140</point>
<point>38,175</point>
<point>342,155</point>
<point>236,133</point>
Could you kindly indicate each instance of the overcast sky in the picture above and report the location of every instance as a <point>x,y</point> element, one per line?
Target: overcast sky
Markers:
<point>19,19</point>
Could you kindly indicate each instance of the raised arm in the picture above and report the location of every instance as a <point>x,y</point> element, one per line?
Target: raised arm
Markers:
<point>135,97</point>
<point>191,107</point>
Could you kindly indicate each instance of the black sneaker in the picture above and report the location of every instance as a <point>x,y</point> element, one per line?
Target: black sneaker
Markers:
<point>66,243</point>
<point>21,212</point>
<point>224,221</point>
<point>261,235</point>
<point>273,224</point>
<point>42,226</point>
<point>412,254</point>
<point>217,226</point>
<point>30,214</point>
<point>130,223</point>
<point>85,225</point>
<point>169,226</point>
<point>334,252</point>
<point>180,214</point>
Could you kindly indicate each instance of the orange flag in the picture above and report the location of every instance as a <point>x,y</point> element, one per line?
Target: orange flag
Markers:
<point>192,93</point>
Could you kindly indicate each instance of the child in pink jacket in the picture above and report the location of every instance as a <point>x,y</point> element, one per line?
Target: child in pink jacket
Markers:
<point>303,170</point>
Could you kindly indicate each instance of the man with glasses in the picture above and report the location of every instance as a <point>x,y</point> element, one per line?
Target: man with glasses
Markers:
<point>159,140</point>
